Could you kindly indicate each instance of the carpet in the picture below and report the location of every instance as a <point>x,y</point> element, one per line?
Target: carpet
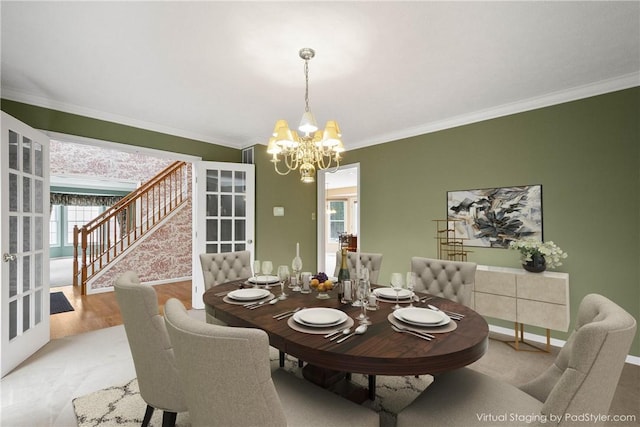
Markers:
<point>60,272</point>
<point>123,406</point>
<point>59,303</point>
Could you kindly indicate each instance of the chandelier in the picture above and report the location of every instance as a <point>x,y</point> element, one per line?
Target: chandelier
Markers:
<point>310,149</point>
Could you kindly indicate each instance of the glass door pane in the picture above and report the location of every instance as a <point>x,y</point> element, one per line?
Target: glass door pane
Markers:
<point>24,267</point>
<point>223,209</point>
<point>226,211</point>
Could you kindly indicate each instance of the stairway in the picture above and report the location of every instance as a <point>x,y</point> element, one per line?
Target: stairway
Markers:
<point>107,237</point>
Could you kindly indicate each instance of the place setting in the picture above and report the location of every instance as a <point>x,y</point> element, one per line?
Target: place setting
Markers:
<point>422,322</point>
<point>265,279</point>
<point>320,321</point>
<point>389,295</point>
<point>249,297</point>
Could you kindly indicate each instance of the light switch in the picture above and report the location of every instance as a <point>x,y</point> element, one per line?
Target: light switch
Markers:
<point>278,211</point>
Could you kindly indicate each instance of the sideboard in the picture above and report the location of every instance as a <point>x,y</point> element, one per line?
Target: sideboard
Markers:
<point>536,299</point>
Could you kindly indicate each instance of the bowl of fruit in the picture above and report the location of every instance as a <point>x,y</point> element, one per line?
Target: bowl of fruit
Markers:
<point>321,283</point>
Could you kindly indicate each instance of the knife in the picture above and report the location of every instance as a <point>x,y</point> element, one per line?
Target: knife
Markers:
<point>286,314</point>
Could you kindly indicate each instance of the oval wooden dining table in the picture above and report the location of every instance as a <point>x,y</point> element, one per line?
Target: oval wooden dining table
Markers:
<point>380,351</point>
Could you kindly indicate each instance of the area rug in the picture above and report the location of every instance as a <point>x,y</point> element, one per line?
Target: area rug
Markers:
<point>123,406</point>
<point>59,303</point>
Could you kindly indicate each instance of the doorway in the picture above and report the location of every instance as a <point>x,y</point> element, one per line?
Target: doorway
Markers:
<point>338,212</point>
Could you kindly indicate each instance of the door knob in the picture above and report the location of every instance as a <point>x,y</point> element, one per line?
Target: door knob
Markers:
<point>8,257</point>
<point>249,241</point>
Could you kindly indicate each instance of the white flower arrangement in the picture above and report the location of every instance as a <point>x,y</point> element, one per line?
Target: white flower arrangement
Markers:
<point>549,250</point>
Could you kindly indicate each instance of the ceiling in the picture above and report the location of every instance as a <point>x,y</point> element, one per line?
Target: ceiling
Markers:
<point>224,72</point>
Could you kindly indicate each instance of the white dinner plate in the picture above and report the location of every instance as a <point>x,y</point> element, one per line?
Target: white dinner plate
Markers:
<point>248,294</point>
<point>421,316</point>
<point>390,294</point>
<point>320,317</point>
<point>264,280</point>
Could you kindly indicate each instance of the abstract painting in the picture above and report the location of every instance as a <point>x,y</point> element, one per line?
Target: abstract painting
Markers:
<point>493,217</point>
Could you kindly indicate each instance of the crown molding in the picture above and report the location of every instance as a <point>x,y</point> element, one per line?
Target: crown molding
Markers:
<point>580,92</point>
<point>39,101</point>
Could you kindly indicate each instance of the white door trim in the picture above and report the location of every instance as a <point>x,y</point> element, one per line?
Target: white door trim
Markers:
<point>321,212</point>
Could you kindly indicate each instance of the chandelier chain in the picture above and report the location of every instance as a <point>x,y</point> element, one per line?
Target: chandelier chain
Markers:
<point>306,85</point>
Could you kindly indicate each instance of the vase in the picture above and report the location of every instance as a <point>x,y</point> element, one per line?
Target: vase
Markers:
<point>536,265</point>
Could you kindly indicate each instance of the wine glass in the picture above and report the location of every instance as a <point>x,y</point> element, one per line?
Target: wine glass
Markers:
<point>296,265</point>
<point>411,283</point>
<point>396,284</point>
<point>267,268</point>
<point>256,271</point>
<point>363,297</point>
<point>283,275</point>
<point>364,273</point>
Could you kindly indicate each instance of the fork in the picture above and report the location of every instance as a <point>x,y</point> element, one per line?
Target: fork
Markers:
<point>451,314</point>
<point>408,331</point>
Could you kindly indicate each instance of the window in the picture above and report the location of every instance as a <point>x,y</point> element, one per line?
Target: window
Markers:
<point>54,226</point>
<point>79,215</point>
<point>336,219</point>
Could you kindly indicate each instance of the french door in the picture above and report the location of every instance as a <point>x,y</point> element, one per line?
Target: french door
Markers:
<point>24,242</point>
<point>223,214</point>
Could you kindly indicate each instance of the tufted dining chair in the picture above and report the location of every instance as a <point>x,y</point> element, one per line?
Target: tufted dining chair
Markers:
<point>228,381</point>
<point>582,379</point>
<point>151,349</point>
<point>221,268</point>
<point>371,261</point>
<point>452,280</point>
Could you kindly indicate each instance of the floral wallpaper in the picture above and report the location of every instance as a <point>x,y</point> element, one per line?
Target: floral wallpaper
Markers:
<point>68,158</point>
<point>165,254</point>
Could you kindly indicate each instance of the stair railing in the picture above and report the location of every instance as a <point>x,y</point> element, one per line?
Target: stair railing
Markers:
<point>103,239</point>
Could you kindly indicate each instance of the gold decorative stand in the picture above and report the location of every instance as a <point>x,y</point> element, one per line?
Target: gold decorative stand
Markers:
<point>450,245</point>
<point>518,338</point>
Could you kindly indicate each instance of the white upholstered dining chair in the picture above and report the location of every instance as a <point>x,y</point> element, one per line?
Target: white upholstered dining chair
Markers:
<point>227,380</point>
<point>151,349</point>
<point>582,380</point>
<point>452,280</point>
<point>221,268</point>
<point>370,261</point>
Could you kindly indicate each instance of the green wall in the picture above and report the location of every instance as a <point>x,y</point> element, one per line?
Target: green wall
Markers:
<point>585,154</point>
<point>72,124</point>
<point>276,237</point>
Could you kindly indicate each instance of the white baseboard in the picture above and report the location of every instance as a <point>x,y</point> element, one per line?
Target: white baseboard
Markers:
<point>634,360</point>
<point>91,291</point>
<point>166,281</point>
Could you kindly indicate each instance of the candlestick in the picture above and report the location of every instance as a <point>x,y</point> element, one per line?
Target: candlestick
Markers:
<point>297,249</point>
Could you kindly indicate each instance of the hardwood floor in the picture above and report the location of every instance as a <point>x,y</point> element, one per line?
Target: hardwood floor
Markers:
<point>99,311</point>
